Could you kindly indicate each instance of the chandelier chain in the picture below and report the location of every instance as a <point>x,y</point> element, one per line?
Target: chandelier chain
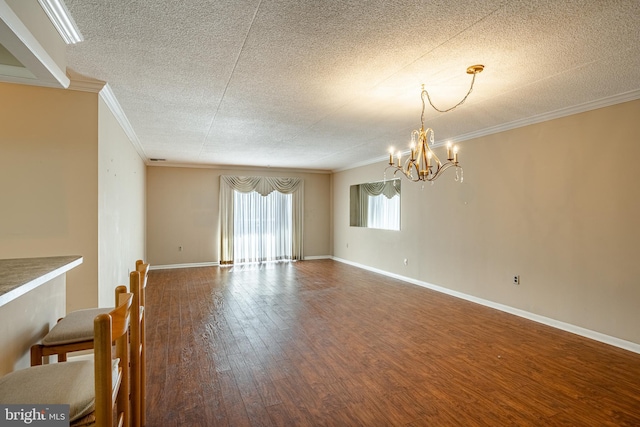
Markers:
<point>424,92</point>
<point>422,160</point>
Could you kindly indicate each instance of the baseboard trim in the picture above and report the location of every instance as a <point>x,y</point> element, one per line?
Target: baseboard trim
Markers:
<point>189,265</point>
<point>308,258</point>
<point>587,333</point>
<point>215,264</point>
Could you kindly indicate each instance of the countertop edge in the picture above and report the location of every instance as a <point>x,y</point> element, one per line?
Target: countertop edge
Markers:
<point>21,290</point>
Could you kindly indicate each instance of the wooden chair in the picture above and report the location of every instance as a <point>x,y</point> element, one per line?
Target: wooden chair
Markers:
<point>74,332</point>
<point>93,389</point>
<point>137,284</point>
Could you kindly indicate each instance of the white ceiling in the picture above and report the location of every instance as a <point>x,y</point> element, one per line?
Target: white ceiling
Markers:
<point>328,84</point>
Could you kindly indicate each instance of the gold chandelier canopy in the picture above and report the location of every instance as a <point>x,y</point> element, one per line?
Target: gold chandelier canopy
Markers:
<point>420,165</point>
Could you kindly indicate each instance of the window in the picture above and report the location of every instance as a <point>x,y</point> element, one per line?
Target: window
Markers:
<point>262,227</point>
<point>384,212</point>
<point>270,220</point>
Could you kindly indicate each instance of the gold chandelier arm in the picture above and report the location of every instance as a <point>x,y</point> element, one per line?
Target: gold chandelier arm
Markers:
<point>407,173</point>
<point>474,69</point>
<point>439,172</point>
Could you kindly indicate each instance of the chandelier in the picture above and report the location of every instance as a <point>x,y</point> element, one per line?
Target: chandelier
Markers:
<point>419,166</point>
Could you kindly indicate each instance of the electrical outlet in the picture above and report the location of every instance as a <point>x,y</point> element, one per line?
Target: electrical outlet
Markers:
<point>516,279</point>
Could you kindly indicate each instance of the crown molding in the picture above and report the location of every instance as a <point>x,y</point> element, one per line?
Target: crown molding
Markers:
<point>383,158</point>
<point>110,99</point>
<point>62,20</point>
<point>562,112</point>
<point>172,164</point>
<point>83,83</point>
<point>18,40</point>
<point>94,86</point>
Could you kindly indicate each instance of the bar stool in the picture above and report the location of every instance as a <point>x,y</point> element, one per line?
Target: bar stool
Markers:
<point>137,284</point>
<point>74,332</point>
<point>93,389</point>
<point>143,268</point>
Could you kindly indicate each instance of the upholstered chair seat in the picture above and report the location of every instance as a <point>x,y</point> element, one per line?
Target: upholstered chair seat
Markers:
<point>93,389</point>
<point>74,385</point>
<point>73,327</point>
<point>74,332</point>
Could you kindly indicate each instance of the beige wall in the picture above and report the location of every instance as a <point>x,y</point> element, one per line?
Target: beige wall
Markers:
<point>121,206</point>
<point>182,210</point>
<point>557,203</point>
<point>48,181</point>
<point>71,183</point>
<point>16,337</point>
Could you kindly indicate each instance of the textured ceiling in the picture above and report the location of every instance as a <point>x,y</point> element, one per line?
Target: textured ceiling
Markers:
<point>329,84</point>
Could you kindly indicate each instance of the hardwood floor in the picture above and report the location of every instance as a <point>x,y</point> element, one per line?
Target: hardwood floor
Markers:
<point>320,343</point>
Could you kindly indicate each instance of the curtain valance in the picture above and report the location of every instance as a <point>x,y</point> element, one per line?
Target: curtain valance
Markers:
<point>382,187</point>
<point>263,185</point>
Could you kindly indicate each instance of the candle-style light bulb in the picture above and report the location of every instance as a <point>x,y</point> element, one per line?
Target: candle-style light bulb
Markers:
<point>413,151</point>
<point>399,161</point>
<point>449,151</point>
<point>429,155</point>
<point>391,156</point>
<point>455,154</point>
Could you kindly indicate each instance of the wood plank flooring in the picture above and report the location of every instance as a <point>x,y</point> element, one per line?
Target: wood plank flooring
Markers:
<point>320,343</point>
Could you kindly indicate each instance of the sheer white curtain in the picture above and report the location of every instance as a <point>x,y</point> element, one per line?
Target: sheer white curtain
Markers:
<point>262,227</point>
<point>232,185</point>
<point>383,212</point>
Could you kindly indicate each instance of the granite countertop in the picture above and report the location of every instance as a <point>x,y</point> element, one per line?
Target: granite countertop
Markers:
<point>20,275</point>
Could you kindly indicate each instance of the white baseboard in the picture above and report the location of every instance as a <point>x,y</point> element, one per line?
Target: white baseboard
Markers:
<point>215,264</point>
<point>307,258</point>
<point>587,333</point>
<point>189,265</point>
